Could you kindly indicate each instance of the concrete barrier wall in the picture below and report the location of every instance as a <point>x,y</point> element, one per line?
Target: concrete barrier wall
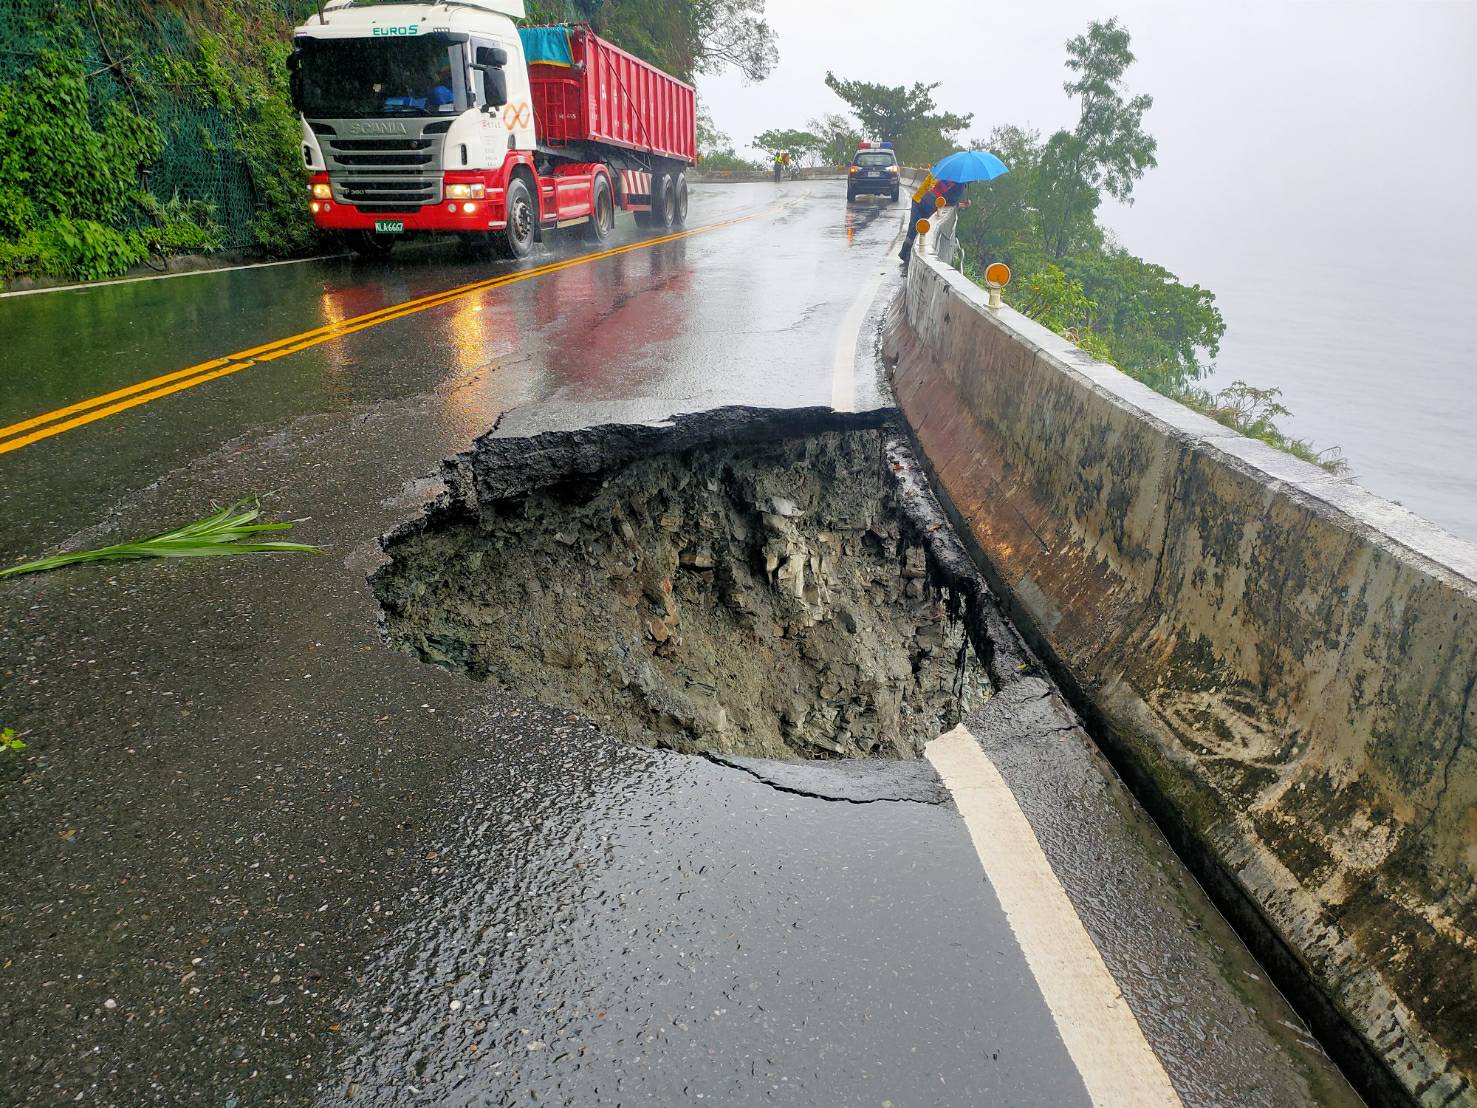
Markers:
<point>1283,663</point>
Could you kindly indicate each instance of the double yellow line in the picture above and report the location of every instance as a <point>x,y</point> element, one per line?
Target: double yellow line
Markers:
<point>48,424</point>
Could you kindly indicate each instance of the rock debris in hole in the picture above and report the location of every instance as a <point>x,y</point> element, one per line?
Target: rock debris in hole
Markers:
<point>763,600</point>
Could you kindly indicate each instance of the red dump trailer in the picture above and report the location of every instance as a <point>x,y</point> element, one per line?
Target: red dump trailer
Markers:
<point>610,97</point>
<point>437,118</point>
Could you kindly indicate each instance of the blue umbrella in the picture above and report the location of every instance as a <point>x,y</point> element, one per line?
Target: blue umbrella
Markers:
<point>970,165</point>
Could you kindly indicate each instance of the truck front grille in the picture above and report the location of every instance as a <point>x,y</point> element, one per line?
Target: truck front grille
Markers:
<point>399,173</point>
<point>401,194</point>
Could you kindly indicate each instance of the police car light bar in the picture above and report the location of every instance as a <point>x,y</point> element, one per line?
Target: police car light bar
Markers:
<point>874,146</point>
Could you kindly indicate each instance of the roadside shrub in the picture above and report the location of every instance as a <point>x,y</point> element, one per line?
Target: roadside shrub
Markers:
<point>723,160</point>
<point>83,249</point>
<point>183,226</point>
<point>69,187</point>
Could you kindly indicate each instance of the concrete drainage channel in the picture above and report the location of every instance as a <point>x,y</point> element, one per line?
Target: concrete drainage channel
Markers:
<point>741,582</point>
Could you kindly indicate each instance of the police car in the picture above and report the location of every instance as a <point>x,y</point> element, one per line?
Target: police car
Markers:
<point>873,170</point>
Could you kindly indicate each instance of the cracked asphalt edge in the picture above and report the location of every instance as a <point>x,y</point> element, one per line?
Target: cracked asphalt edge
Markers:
<point>850,781</point>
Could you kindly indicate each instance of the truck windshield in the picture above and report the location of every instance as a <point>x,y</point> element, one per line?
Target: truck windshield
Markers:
<point>881,157</point>
<point>355,77</point>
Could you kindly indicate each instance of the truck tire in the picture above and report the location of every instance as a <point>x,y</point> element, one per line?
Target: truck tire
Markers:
<point>367,244</point>
<point>602,212</point>
<point>518,238</point>
<point>679,200</point>
<point>663,202</point>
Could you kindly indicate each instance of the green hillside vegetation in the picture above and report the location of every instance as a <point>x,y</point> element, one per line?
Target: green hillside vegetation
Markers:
<point>130,131</point>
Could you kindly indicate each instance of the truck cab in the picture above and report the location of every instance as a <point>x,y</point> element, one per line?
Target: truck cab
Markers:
<point>421,118</point>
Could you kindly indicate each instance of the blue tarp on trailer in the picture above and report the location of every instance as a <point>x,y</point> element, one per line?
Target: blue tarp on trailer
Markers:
<point>546,45</point>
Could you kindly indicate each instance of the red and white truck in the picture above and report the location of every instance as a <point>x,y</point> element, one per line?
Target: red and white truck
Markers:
<point>446,117</point>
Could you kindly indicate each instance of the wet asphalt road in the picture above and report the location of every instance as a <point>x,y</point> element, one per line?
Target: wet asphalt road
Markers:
<point>252,857</point>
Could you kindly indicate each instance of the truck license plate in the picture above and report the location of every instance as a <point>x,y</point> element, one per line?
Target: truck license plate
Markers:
<point>389,226</point>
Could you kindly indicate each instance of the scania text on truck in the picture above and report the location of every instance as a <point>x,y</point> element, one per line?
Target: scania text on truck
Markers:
<point>447,117</point>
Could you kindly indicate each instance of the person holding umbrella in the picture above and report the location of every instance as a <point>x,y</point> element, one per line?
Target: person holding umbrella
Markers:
<point>945,186</point>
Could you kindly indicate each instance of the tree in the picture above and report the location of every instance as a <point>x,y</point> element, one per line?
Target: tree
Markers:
<point>802,145</point>
<point>734,33</point>
<point>837,136</point>
<point>1041,218</point>
<point>1107,152</point>
<point>683,37</point>
<point>903,115</point>
<point>1054,300</point>
<point>1155,327</point>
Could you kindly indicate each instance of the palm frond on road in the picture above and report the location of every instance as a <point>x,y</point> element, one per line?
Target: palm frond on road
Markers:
<point>220,533</point>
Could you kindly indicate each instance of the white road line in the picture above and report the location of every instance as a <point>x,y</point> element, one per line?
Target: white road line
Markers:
<point>843,364</point>
<point>167,276</point>
<point>843,367</point>
<point>1101,1034</point>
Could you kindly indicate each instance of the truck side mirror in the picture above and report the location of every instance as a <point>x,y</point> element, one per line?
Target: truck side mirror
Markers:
<point>495,82</point>
<point>489,61</point>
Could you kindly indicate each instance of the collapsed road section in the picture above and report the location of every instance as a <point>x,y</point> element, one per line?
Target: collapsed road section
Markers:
<point>743,582</point>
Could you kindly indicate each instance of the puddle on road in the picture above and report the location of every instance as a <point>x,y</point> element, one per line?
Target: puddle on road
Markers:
<point>773,597</point>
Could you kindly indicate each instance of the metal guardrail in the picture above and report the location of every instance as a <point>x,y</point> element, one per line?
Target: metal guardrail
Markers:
<point>945,236</point>
<point>942,241</point>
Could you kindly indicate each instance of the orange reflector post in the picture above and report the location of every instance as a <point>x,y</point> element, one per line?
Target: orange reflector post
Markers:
<point>997,273</point>
<point>922,226</point>
<point>939,201</point>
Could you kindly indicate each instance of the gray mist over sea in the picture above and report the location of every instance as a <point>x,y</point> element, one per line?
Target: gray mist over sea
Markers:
<point>1324,185</point>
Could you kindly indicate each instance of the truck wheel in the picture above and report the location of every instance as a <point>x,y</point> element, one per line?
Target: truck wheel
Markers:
<point>522,217</point>
<point>652,220</point>
<point>663,198</point>
<point>367,244</point>
<point>679,200</point>
<point>602,213</point>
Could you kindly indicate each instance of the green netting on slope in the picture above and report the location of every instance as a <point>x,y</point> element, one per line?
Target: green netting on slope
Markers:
<point>201,159</point>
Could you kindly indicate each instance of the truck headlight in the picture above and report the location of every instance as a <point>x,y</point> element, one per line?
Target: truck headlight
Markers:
<point>322,190</point>
<point>473,191</point>
<point>892,169</point>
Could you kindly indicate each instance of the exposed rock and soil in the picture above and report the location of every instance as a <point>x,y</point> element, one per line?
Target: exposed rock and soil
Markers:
<point>770,597</point>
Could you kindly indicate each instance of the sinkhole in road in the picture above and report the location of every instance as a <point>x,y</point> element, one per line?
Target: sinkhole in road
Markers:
<point>745,589</point>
